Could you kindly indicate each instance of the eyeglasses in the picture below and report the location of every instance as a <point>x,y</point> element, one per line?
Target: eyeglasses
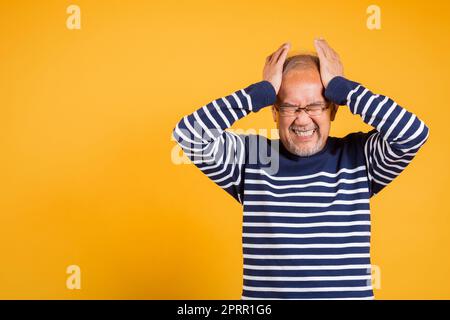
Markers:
<point>314,109</point>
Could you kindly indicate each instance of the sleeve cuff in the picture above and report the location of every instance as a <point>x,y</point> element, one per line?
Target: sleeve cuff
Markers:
<point>262,94</point>
<point>338,89</point>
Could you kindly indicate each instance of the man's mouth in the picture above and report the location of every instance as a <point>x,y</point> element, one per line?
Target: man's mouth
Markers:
<point>303,133</point>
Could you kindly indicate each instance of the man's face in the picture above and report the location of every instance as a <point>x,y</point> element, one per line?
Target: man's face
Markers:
<point>302,134</point>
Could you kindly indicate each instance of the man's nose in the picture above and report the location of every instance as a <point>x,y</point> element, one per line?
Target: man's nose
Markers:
<point>301,117</point>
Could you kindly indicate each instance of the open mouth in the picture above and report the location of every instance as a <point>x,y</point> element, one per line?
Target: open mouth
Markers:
<point>303,133</point>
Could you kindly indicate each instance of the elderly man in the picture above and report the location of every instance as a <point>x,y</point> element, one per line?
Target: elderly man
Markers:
<point>306,226</point>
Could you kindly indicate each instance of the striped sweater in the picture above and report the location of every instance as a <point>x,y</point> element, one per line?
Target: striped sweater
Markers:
<point>306,225</point>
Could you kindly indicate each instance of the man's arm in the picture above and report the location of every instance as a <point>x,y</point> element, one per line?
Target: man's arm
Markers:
<point>398,134</point>
<point>220,154</point>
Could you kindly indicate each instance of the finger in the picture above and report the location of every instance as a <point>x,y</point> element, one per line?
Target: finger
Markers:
<point>324,48</point>
<point>327,45</point>
<point>333,54</point>
<point>283,45</point>
<point>330,50</point>
<point>273,54</point>
<point>283,51</point>
<point>278,53</point>
<point>319,49</point>
<point>316,45</point>
<point>284,54</point>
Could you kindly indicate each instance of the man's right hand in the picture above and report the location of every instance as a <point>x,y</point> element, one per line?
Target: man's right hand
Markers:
<point>273,69</point>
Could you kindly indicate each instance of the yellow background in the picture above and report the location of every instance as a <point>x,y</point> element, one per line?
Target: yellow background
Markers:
<point>85,138</point>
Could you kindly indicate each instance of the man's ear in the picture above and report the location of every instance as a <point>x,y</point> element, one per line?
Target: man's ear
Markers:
<point>334,110</point>
<point>274,113</point>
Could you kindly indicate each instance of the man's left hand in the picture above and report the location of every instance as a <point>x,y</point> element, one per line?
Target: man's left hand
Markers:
<point>330,63</point>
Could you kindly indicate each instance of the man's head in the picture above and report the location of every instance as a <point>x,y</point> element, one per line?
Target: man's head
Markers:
<point>301,133</point>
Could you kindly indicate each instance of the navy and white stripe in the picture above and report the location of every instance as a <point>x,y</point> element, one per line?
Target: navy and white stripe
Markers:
<point>397,136</point>
<point>306,228</point>
<point>218,153</point>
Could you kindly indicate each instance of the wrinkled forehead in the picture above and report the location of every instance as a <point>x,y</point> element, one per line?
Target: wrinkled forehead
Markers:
<point>299,87</point>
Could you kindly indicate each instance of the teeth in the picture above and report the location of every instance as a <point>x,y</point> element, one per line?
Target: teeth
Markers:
<point>303,133</point>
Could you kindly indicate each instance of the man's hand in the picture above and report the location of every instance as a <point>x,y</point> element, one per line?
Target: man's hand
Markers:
<point>330,63</point>
<point>273,69</point>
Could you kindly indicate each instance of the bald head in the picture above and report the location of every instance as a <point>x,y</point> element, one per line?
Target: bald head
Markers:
<point>299,70</point>
<point>301,62</point>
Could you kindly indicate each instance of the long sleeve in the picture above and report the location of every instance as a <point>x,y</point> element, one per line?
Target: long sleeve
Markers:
<point>220,154</point>
<point>397,135</point>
